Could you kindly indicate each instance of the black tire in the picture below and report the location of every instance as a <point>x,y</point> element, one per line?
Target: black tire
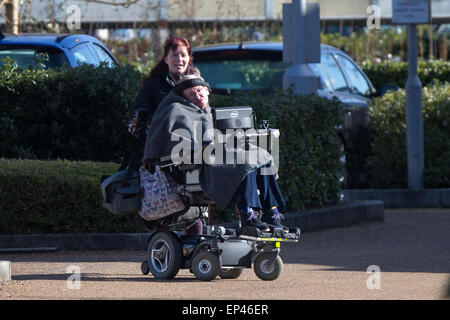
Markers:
<point>205,266</point>
<point>265,272</point>
<point>165,255</point>
<point>145,268</point>
<point>232,273</point>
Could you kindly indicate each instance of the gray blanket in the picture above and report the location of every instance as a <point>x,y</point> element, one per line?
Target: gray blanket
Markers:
<point>184,132</point>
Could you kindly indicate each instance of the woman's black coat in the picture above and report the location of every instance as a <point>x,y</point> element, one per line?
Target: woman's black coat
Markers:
<point>154,90</point>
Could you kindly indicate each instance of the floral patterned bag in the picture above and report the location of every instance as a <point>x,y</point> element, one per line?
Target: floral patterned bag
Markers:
<point>158,198</point>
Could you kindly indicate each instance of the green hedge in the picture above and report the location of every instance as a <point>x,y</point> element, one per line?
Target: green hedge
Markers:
<point>75,114</point>
<point>309,146</point>
<point>80,114</point>
<point>64,196</point>
<point>55,197</point>
<point>388,162</point>
<point>396,73</point>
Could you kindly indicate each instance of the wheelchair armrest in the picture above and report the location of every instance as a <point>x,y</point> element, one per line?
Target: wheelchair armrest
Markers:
<point>167,161</point>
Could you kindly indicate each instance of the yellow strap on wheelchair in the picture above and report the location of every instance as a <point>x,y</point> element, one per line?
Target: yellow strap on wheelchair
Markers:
<point>269,239</point>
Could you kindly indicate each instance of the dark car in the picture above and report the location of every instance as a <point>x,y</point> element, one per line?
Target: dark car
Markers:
<point>59,49</point>
<point>259,66</point>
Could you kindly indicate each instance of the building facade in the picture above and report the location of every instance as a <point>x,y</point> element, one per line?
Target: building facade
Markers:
<point>89,11</point>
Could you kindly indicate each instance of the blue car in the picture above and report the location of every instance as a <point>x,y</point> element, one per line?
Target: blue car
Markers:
<point>259,66</point>
<point>59,50</point>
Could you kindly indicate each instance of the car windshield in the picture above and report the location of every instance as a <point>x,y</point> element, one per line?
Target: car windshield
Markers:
<point>243,74</point>
<point>25,56</point>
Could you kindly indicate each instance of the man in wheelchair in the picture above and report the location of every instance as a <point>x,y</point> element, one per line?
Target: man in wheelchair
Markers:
<point>182,133</point>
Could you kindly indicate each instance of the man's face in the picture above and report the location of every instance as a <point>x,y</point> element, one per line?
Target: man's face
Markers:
<point>197,95</point>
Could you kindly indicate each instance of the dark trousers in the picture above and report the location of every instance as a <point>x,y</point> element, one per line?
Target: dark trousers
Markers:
<point>269,192</point>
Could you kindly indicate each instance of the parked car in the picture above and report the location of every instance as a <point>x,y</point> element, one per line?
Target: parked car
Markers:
<point>62,49</point>
<point>259,66</point>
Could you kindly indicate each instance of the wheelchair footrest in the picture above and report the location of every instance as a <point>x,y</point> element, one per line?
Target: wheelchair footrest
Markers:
<point>277,234</point>
<point>248,231</point>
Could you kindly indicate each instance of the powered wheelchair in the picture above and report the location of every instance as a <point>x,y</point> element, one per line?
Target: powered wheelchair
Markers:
<point>223,250</point>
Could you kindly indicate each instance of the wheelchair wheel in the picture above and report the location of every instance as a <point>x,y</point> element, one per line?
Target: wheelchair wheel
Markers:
<point>264,270</point>
<point>205,266</point>
<point>165,255</point>
<point>231,273</point>
<point>145,268</point>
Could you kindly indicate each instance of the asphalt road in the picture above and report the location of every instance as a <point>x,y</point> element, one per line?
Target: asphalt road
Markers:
<point>405,257</point>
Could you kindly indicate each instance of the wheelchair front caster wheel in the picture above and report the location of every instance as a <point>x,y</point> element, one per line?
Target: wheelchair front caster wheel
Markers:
<point>145,269</point>
<point>205,266</point>
<point>265,270</point>
<point>231,273</point>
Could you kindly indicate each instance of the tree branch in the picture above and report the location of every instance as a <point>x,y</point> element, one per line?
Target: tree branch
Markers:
<point>3,3</point>
<point>5,17</point>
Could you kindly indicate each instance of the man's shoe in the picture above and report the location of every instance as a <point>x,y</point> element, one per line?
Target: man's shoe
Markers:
<point>251,219</point>
<point>273,218</point>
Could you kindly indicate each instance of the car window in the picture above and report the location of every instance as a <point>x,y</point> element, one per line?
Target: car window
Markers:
<point>324,82</point>
<point>357,80</point>
<point>243,74</point>
<point>82,55</point>
<point>103,56</point>
<point>334,73</point>
<point>27,56</point>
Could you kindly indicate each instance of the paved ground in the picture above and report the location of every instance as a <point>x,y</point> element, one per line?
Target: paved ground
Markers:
<point>411,249</point>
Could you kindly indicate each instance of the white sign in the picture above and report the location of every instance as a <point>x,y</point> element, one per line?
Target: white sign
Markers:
<point>411,11</point>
